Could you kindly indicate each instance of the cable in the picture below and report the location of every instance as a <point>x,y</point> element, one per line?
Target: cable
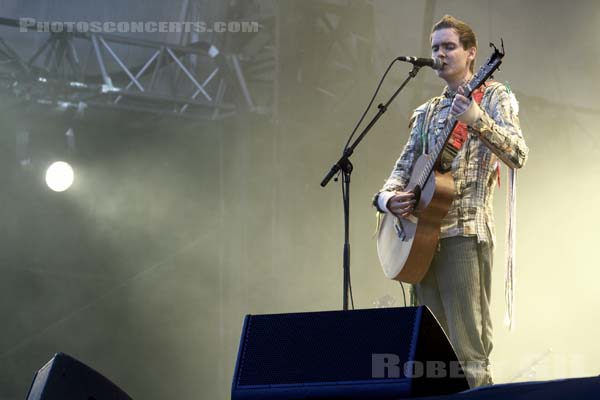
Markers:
<point>403,294</point>
<point>370,104</point>
<point>344,194</point>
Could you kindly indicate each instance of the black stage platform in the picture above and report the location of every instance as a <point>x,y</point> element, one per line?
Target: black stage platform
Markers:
<point>576,388</point>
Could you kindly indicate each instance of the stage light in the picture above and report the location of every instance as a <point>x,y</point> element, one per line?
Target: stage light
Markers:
<point>59,176</point>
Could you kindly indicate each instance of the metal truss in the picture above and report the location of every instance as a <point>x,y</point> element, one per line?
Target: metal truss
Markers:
<point>346,44</point>
<point>193,81</point>
<point>336,40</point>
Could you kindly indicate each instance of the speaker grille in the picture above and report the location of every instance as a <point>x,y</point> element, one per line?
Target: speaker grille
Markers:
<point>332,346</point>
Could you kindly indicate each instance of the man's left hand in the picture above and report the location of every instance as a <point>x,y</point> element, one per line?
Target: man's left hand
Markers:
<point>465,109</point>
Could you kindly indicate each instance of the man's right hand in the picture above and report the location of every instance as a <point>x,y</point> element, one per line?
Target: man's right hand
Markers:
<point>402,204</point>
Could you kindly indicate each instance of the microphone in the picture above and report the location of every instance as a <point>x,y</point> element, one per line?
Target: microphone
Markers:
<point>434,63</point>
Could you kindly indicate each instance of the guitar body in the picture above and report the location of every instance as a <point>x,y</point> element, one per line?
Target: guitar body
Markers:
<point>407,257</point>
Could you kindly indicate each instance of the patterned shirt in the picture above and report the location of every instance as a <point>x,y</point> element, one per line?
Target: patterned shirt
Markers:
<point>495,135</point>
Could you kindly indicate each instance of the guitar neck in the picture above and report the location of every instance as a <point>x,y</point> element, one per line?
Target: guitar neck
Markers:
<point>448,129</point>
<point>486,70</point>
<point>435,154</point>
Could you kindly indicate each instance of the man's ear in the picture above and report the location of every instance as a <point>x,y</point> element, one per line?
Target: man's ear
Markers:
<point>472,53</point>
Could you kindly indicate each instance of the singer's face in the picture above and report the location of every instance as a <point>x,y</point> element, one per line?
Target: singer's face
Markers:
<point>446,46</point>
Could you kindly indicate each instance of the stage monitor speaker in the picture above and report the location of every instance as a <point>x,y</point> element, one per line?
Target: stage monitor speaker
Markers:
<point>65,378</point>
<point>384,353</point>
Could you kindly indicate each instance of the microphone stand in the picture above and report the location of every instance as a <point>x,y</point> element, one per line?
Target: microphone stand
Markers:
<point>345,166</point>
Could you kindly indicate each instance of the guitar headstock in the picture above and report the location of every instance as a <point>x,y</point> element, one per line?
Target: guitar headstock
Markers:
<point>486,70</point>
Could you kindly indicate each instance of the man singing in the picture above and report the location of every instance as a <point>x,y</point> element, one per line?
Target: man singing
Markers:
<point>457,286</point>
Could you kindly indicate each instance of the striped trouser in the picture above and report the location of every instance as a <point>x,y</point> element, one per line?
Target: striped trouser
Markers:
<point>457,289</point>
